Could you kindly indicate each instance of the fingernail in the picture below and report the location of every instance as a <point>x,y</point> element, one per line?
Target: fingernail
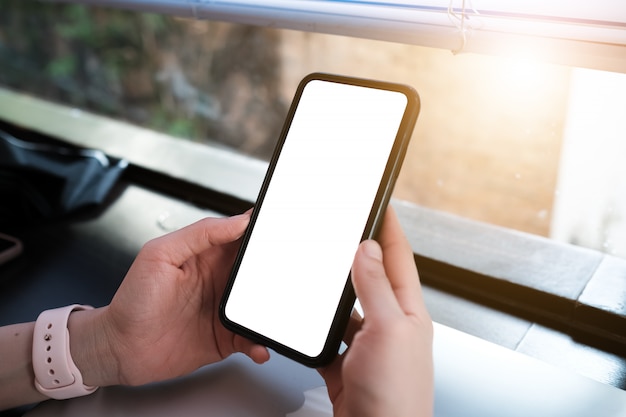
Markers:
<point>372,250</point>
<point>245,214</point>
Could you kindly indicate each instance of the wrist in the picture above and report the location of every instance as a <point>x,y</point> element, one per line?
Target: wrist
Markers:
<point>91,347</point>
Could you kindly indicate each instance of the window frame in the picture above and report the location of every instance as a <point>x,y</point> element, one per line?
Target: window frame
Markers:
<point>583,35</point>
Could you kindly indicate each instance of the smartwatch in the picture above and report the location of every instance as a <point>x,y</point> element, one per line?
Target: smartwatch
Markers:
<point>56,374</point>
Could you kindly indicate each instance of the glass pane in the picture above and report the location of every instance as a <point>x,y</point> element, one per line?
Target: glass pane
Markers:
<point>202,81</point>
<point>493,141</point>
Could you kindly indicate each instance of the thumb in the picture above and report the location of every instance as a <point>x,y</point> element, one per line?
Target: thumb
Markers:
<point>371,283</point>
<point>194,239</point>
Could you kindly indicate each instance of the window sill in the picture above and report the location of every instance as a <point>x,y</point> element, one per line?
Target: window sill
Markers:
<point>561,285</point>
<point>208,167</point>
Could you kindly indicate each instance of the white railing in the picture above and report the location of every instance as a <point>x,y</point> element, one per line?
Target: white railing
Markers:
<point>580,34</point>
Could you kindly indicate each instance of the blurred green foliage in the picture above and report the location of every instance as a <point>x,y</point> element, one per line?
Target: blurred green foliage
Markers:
<point>158,71</point>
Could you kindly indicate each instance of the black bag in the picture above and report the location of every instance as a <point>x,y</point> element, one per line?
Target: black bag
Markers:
<point>41,181</point>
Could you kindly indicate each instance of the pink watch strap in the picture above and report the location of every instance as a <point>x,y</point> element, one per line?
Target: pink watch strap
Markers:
<point>56,375</point>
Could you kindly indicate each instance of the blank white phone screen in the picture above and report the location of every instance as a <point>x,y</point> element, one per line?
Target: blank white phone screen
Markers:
<point>311,221</point>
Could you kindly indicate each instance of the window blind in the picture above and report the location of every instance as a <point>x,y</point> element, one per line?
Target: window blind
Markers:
<point>582,34</point>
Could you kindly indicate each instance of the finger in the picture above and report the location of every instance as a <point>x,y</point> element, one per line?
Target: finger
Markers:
<point>177,247</point>
<point>258,353</point>
<point>371,284</point>
<point>354,325</point>
<point>400,264</point>
<point>332,374</point>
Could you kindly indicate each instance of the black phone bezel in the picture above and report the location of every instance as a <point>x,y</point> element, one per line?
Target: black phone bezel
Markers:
<point>392,169</point>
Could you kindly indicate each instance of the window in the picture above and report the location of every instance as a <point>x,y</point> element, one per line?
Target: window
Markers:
<point>500,139</point>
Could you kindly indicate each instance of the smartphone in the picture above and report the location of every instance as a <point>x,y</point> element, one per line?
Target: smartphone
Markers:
<point>326,189</point>
<point>10,247</point>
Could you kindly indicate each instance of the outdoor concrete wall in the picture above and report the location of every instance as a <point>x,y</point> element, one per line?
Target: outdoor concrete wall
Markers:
<point>488,139</point>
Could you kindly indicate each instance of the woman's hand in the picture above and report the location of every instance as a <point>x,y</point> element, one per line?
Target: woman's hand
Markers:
<point>387,369</point>
<point>163,321</point>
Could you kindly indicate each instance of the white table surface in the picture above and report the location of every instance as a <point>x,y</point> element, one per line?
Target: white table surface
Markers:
<point>472,378</point>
